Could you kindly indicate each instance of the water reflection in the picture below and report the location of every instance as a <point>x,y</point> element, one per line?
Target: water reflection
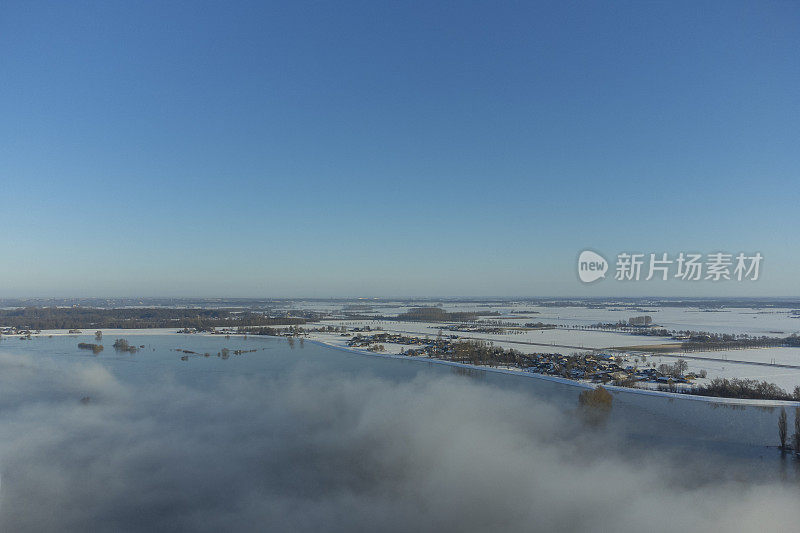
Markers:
<point>741,432</point>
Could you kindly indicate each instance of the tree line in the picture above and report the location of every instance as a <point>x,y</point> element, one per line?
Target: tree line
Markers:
<point>437,314</point>
<point>751,389</point>
<point>38,318</point>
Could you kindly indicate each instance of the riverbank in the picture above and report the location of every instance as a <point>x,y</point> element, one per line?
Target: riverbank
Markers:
<point>109,334</point>
<point>565,381</point>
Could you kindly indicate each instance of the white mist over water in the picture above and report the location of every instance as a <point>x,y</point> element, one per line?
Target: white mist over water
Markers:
<point>312,448</point>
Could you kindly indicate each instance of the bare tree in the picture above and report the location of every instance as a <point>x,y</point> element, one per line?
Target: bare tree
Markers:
<point>796,437</point>
<point>782,428</point>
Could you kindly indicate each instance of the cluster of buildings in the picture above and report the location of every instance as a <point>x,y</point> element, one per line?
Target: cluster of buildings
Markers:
<point>607,368</point>
<point>428,347</point>
<point>596,367</point>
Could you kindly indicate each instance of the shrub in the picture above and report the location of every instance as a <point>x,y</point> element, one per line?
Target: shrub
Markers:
<point>95,348</point>
<point>121,345</point>
<point>596,398</point>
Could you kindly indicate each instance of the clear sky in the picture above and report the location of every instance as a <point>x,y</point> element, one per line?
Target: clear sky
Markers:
<point>393,148</point>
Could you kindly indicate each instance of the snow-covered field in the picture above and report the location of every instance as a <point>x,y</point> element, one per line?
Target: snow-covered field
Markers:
<point>753,321</point>
<point>769,322</point>
<point>564,337</point>
<point>568,341</point>
<point>786,378</point>
<point>779,356</point>
<point>108,333</point>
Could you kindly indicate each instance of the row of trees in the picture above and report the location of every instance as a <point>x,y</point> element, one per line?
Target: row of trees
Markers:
<point>293,331</point>
<point>720,342</point>
<point>751,389</point>
<point>38,318</point>
<point>437,314</point>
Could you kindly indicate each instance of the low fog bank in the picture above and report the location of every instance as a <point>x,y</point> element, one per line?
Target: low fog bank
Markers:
<point>335,453</point>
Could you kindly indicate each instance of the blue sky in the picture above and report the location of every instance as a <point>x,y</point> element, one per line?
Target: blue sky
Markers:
<point>386,148</point>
